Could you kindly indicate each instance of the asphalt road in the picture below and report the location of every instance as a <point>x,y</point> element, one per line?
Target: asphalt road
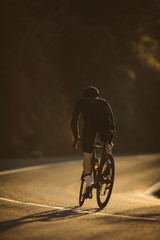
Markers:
<point>42,202</point>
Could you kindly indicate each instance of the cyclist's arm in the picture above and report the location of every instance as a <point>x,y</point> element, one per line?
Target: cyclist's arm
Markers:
<point>112,122</point>
<point>75,120</point>
<point>112,125</point>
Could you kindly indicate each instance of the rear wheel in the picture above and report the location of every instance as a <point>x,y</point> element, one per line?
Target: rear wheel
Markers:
<point>106,180</point>
<point>82,190</point>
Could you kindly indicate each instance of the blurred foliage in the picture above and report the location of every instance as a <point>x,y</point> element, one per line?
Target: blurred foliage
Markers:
<point>52,49</point>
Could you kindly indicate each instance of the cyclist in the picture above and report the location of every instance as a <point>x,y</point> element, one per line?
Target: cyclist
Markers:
<point>97,118</point>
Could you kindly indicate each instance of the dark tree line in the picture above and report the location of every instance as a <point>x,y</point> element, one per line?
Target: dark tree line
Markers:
<point>52,49</point>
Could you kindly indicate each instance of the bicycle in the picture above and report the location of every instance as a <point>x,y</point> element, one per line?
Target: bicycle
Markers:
<point>102,177</point>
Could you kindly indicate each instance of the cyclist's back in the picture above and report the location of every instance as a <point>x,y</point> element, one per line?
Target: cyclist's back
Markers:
<point>96,111</point>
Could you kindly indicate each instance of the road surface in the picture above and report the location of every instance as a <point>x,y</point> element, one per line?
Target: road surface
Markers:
<point>41,202</point>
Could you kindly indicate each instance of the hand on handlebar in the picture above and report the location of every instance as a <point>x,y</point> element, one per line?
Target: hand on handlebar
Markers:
<point>74,142</point>
<point>73,139</point>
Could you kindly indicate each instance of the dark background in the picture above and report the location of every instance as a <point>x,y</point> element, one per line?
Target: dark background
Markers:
<point>51,50</point>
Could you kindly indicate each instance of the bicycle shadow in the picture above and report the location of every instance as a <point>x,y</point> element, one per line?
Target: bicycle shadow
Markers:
<point>47,216</point>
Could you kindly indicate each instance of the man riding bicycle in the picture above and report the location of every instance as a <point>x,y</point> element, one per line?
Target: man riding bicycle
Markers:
<point>97,118</point>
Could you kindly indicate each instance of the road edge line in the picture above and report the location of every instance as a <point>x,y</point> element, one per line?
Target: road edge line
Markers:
<point>24,169</point>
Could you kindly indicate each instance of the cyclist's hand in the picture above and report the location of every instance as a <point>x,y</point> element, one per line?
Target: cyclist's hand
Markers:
<point>73,139</point>
<point>74,143</point>
<point>111,144</point>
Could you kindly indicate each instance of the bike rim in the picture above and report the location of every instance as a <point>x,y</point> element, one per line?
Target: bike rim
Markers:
<point>106,184</point>
<point>82,190</point>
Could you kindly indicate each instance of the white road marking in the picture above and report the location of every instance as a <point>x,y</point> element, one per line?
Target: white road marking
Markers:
<point>68,162</point>
<point>80,211</point>
<point>36,167</point>
<point>153,189</point>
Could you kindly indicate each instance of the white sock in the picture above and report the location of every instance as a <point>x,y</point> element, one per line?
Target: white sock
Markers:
<point>88,180</point>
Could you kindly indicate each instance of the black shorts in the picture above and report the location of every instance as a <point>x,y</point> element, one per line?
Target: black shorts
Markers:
<point>89,135</point>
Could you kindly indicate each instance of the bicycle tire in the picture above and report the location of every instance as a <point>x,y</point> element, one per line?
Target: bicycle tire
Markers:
<point>82,188</point>
<point>107,180</point>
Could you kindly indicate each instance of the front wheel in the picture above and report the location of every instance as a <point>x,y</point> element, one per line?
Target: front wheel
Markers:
<point>106,180</point>
<point>82,190</point>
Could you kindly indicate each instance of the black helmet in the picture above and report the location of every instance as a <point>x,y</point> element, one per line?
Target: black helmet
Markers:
<point>90,91</point>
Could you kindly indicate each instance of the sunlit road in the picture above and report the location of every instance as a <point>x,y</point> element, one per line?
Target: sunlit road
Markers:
<point>42,203</point>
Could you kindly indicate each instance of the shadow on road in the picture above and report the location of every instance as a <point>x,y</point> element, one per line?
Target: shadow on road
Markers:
<point>74,212</point>
<point>53,215</point>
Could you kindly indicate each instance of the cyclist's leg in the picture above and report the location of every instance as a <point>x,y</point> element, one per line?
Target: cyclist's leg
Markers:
<point>88,138</point>
<point>87,163</point>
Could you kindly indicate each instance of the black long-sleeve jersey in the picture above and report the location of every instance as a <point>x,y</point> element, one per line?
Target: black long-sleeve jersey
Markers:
<point>96,112</point>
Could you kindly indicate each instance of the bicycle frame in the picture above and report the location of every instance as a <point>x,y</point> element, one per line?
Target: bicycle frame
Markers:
<point>103,175</point>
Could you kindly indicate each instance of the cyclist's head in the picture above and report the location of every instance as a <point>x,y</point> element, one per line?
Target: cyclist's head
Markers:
<point>90,91</point>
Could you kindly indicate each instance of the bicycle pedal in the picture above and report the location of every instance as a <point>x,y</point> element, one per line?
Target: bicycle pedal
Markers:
<point>88,196</point>
<point>95,185</point>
